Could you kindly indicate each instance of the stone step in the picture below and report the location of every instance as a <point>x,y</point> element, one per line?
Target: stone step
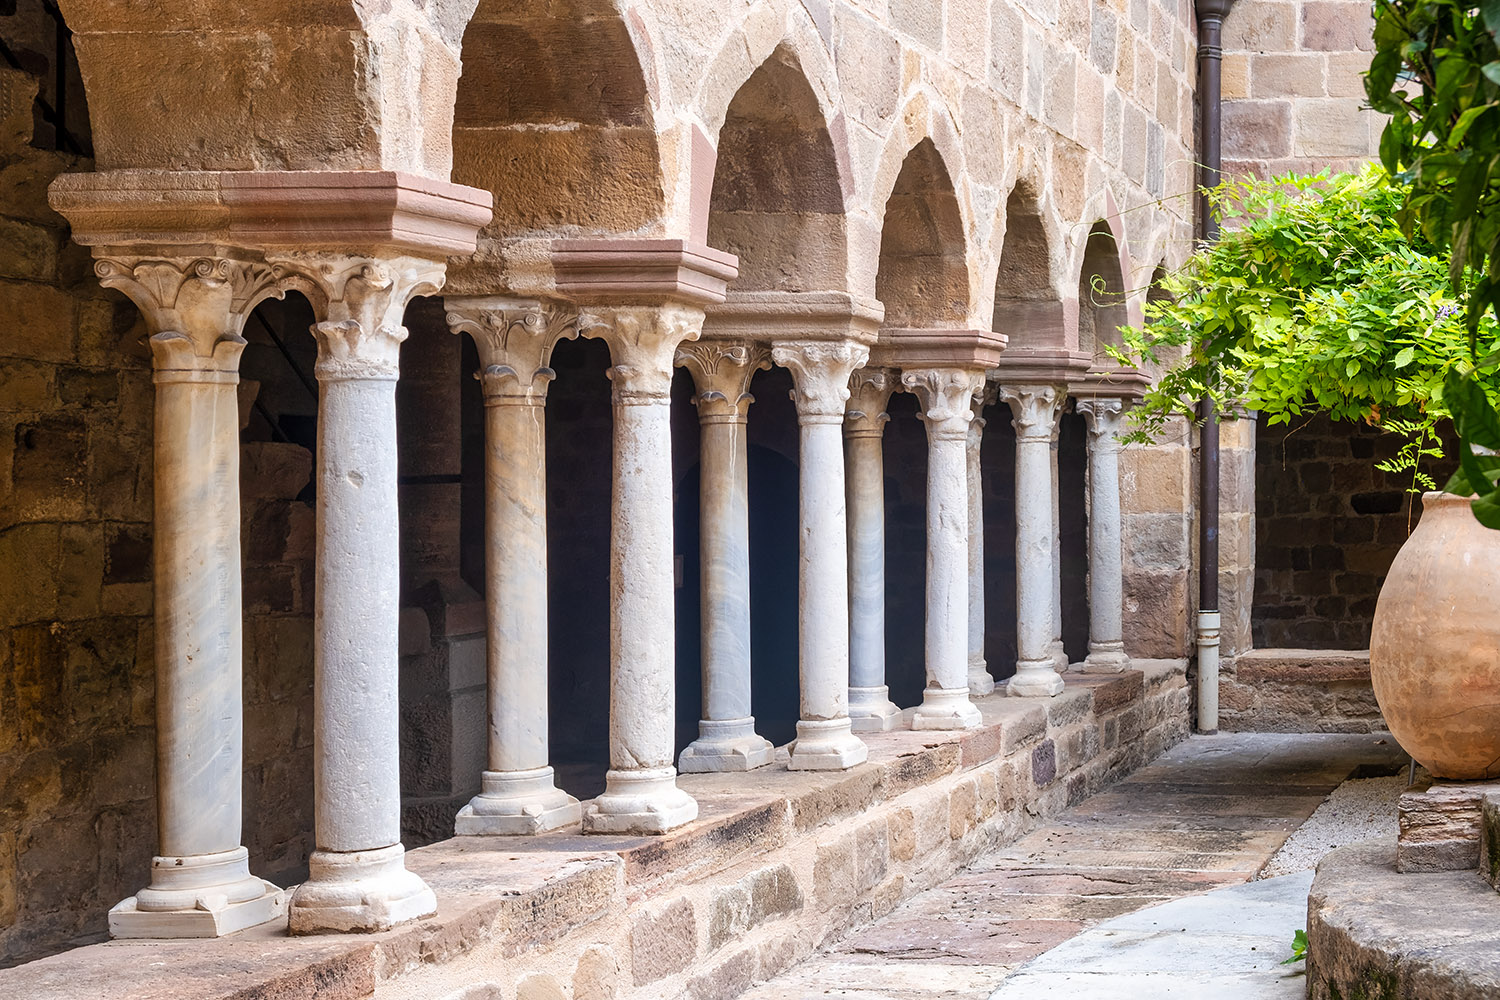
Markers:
<point>1440,825</point>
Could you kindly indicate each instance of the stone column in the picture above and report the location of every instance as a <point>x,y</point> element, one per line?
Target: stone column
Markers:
<point>980,681</point>
<point>1034,410</point>
<point>1056,648</point>
<point>820,373</point>
<point>515,340</point>
<point>641,793</point>
<point>727,740</point>
<point>945,394</point>
<point>1106,568</point>
<point>358,879</point>
<point>870,705</point>
<point>195,308</point>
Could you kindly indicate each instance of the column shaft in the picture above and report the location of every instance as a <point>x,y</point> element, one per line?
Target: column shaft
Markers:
<point>980,681</point>
<point>201,884</point>
<point>727,740</point>
<point>945,395</point>
<point>1056,648</point>
<point>1106,564</point>
<point>821,371</point>
<point>514,339</point>
<point>1033,409</point>
<point>641,793</point>
<point>870,705</point>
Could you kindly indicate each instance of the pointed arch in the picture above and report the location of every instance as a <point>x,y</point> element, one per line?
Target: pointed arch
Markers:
<point>1028,309</point>
<point>923,277</point>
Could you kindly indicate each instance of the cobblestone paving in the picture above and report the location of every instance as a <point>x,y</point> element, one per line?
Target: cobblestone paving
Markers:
<point>1208,813</point>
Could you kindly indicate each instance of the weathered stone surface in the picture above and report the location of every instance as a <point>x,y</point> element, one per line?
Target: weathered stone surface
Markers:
<point>597,976</point>
<point>662,942</point>
<point>1440,826</point>
<point>1375,932</point>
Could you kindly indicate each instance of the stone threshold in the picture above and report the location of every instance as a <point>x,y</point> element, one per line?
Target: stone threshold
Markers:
<point>778,864</point>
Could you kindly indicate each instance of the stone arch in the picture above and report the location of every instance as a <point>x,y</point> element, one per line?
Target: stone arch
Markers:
<point>777,200</point>
<point>923,277</point>
<point>1028,308</point>
<point>1103,305</point>
<point>555,115</point>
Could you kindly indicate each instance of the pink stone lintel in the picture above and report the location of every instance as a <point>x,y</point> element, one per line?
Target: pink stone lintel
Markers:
<point>623,271</point>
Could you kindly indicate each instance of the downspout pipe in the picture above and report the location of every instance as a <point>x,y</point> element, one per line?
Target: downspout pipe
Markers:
<point>1211,14</point>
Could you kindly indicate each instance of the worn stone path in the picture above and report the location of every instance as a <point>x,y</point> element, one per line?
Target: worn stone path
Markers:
<point>1208,813</point>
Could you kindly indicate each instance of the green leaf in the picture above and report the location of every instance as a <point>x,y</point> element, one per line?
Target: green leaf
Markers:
<point>1299,947</point>
<point>1404,357</point>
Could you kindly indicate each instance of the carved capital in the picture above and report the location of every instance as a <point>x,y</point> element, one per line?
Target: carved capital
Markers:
<point>945,395</point>
<point>643,342</point>
<point>869,393</point>
<point>195,307</point>
<point>515,338</point>
<point>721,374</point>
<point>1034,409</point>
<point>361,301</point>
<point>820,376</point>
<point>1103,416</point>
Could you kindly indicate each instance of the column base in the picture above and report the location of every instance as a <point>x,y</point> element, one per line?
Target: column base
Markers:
<point>517,803</point>
<point>1106,658</point>
<point>726,745</point>
<point>213,916</point>
<point>1034,679</point>
<point>359,891</point>
<point>644,801</point>
<point>946,708</point>
<point>872,711</point>
<point>198,895</point>
<point>980,681</point>
<point>1059,656</point>
<point>826,745</point>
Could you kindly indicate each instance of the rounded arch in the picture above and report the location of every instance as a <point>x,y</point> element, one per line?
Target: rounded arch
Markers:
<point>778,194</point>
<point>555,115</point>
<point>1028,308</point>
<point>923,278</point>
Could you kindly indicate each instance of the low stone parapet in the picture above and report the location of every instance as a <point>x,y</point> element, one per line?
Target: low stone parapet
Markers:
<point>1298,691</point>
<point>778,864</point>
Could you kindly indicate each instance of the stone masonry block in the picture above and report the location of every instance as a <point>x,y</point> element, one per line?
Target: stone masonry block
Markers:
<point>1337,26</point>
<point>833,872</point>
<point>1044,763</point>
<point>1287,75</point>
<point>1257,129</point>
<point>1261,26</point>
<point>1333,127</point>
<point>597,976</point>
<point>902,834</point>
<point>1440,825</point>
<point>662,942</point>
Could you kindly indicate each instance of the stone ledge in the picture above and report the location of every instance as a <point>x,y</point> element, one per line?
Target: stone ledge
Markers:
<point>1373,932</point>
<point>839,849</point>
<point>1440,824</point>
<point>1302,666</point>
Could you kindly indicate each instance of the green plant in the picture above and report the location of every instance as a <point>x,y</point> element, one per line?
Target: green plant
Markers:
<point>1436,71</point>
<point>1299,948</point>
<point>1313,300</point>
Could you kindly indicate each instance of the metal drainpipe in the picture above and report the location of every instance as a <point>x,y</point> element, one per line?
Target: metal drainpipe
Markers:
<point>1211,15</point>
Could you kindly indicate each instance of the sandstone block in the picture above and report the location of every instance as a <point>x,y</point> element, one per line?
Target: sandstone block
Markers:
<point>729,978</point>
<point>871,854</point>
<point>1337,26</point>
<point>1489,841</point>
<point>597,975</point>
<point>1440,825</point>
<point>961,809</point>
<point>274,470</point>
<point>1044,763</point>
<point>902,834</point>
<point>534,986</point>
<point>1261,26</point>
<point>833,872</point>
<point>1287,75</point>
<point>662,942</point>
<point>1332,128</point>
<point>1257,129</point>
<point>774,892</point>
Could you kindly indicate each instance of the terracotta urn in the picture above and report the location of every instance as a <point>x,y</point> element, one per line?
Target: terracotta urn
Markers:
<point>1435,645</point>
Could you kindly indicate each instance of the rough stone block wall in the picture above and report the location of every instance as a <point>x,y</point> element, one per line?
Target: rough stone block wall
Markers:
<point>1293,90</point>
<point>1298,691</point>
<point>1157,490</point>
<point>1328,525</point>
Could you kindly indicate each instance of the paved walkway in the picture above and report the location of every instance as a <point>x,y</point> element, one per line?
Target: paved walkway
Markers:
<point>1207,814</point>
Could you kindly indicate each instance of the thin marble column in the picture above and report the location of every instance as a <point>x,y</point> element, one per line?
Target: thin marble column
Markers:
<point>980,681</point>
<point>1056,648</point>
<point>1106,566</point>
<point>201,884</point>
<point>870,705</point>
<point>641,793</point>
<point>358,879</point>
<point>1034,410</point>
<point>727,740</point>
<point>820,373</point>
<point>945,395</point>
<point>515,338</point>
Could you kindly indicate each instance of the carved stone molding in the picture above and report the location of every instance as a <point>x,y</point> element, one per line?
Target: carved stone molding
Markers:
<point>1103,416</point>
<point>643,342</point>
<point>945,395</point>
<point>1034,408</point>
<point>869,393</point>
<point>361,301</point>
<point>515,338</point>
<point>195,307</point>
<point>820,376</point>
<point>721,374</point>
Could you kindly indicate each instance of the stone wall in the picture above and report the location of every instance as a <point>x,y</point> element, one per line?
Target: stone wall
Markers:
<point>1293,90</point>
<point>1158,487</point>
<point>1298,691</point>
<point>1328,525</point>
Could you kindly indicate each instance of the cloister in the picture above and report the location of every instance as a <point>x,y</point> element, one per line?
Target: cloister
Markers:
<point>960,202</point>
